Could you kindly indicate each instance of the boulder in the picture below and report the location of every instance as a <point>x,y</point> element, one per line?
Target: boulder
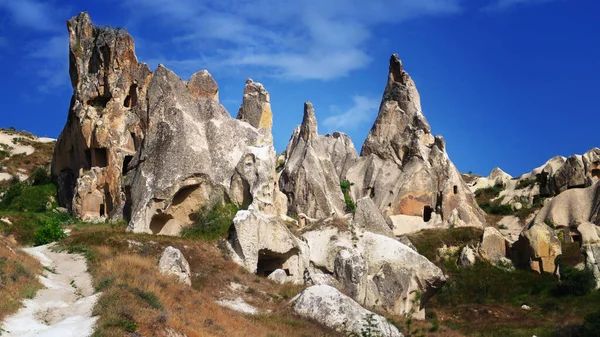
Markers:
<point>590,247</point>
<point>570,175</point>
<point>572,207</point>
<point>278,276</point>
<point>106,120</point>
<point>203,85</point>
<point>328,306</point>
<point>172,262</point>
<point>404,167</point>
<point>376,270</point>
<point>310,179</point>
<point>493,245</point>
<point>537,248</point>
<point>170,182</point>
<point>467,257</point>
<point>591,161</point>
<point>256,106</point>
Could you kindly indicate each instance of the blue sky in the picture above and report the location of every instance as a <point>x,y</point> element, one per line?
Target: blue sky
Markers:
<point>508,83</point>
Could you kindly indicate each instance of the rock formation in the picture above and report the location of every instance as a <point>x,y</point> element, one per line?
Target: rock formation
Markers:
<point>173,263</point>
<point>256,106</point>
<point>493,245</point>
<point>572,207</point>
<point>590,247</point>
<point>406,170</point>
<point>335,310</point>
<point>313,168</point>
<point>537,248</point>
<point>106,121</point>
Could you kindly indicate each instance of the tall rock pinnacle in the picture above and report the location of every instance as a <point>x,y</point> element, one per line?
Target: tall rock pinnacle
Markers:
<point>256,106</point>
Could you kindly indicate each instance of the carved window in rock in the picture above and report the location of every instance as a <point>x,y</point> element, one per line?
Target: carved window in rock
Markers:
<point>99,157</point>
<point>427,212</point>
<point>455,189</point>
<point>131,100</point>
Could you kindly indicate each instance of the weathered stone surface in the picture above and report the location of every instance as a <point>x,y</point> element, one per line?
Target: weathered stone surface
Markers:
<point>591,161</point>
<point>590,247</point>
<point>106,119</point>
<point>572,207</point>
<point>404,167</point>
<point>172,262</point>
<point>493,245</point>
<point>570,175</point>
<point>335,310</point>
<point>262,244</point>
<point>194,155</point>
<point>467,257</point>
<point>368,217</point>
<point>203,85</point>
<point>375,270</point>
<point>278,276</point>
<point>310,178</point>
<point>537,247</point>
<point>256,106</point>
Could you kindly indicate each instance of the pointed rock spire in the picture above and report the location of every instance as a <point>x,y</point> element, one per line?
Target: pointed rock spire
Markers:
<point>256,106</point>
<point>203,85</point>
<point>308,129</point>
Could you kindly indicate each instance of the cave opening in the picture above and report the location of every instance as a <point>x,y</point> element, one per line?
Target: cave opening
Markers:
<point>88,159</point>
<point>269,261</point>
<point>131,100</point>
<point>126,162</point>
<point>455,189</point>
<point>100,157</point>
<point>159,222</point>
<point>427,212</point>
<point>596,173</point>
<point>102,210</point>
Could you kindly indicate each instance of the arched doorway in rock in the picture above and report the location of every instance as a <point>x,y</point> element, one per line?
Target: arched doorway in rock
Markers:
<point>269,261</point>
<point>427,212</point>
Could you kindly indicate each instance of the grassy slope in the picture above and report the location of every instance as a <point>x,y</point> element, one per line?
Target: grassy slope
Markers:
<point>136,297</point>
<point>486,301</point>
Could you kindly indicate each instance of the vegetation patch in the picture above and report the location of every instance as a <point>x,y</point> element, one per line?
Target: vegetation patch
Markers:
<point>345,185</point>
<point>212,223</point>
<point>525,183</point>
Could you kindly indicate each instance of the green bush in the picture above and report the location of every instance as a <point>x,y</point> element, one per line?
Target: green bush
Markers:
<point>495,208</point>
<point>591,325</point>
<point>525,183</point>
<point>211,223</point>
<point>489,192</point>
<point>49,231</point>
<point>149,297</point>
<point>575,282</point>
<point>4,154</point>
<point>345,186</point>
<point>40,176</point>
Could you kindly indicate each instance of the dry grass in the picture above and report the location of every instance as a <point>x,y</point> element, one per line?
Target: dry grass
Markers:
<point>136,297</point>
<point>41,157</point>
<point>18,278</point>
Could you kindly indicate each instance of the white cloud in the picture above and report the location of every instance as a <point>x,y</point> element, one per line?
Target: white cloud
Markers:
<point>500,5</point>
<point>294,40</point>
<point>363,110</point>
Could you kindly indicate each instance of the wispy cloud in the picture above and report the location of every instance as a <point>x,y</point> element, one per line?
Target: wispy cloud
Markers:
<point>52,62</point>
<point>363,110</point>
<point>501,5</point>
<point>36,15</point>
<point>294,40</point>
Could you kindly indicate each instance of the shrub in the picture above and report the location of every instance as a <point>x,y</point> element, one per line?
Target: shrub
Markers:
<point>211,223</point>
<point>49,231</point>
<point>489,192</point>
<point>24,198</point>
<point>591,325</point>
<point>4,154</point>
<point>345,186</point>
<point>40,176</point>
<point>575,282</point>
<point>525,183</point>
<point>149,297</point>
<point>495,208</point>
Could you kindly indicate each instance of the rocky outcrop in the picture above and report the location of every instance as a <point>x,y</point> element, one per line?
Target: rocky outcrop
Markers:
<point>467,257</point>
<point>375,270</point>
<point>335,310</point>
<point>537,248</point>
<point>106,121</point>
<point>590,247</point>
<point>368,217</point>
<point>493,245</point>
<point>256,106</point>
<point>570,175</point>
<point>406,169</point>
<point>173,263</point>
<point>194,155</point>
<point>311,175</point>
<point>572,207</point>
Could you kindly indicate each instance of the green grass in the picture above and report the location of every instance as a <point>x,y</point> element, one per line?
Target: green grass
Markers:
<point>149,297</point>
<point>488,192</point>
<point>428,241</point>
<point>211,223</point>
<point>525,183</point>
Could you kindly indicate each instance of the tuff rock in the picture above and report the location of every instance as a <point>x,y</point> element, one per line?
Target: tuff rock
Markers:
<point>256,106</point>
<point>172,262</point>
<point>590,247</point>
<point>537,248</point>
<point>572,207</point>
<point>493,245</point>
<point>335,310</point>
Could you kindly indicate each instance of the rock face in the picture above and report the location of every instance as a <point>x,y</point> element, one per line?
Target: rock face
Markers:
<point>106,120</point>
<point>375,270</point>
<point>573,207</point>
<point>172,262</point>
<point>570,175</point>
<point>368,217</point>
<point>537,247</point>
<point>335,310</point>
<point>256,106</point>
<point>170,181</point>
<point>405,168</point>
<point>311,175</point>
<point>590,247</point>
<point>467,257</point>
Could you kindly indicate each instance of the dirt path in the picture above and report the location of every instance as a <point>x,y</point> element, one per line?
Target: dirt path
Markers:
<point>64,307</point>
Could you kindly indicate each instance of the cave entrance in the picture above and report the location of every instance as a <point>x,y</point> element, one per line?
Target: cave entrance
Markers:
<point>455,189</point>
<point>427,212</point>
<point>100,158</point>
<point>102,210</point>
<point>88,159</point>
<point>269,261</point>
<point>158,223</point>
<point>126,162</point>
<point>131,99</point>
<point>596,173</point>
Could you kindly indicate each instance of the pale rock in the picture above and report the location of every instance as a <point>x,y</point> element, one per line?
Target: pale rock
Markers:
<point>525,307</point>
<point>278,276</point>
<point>238,305</point>
<point>256,106</point>
<point>447,252</point>
<point>335,310</point>
<point>172,262</point>
<point>590,247</point>
<point>203,85</point>
<point>573,207</point>
<point>570,175</point>
<point>467,257</point>
<point>368,217</point>
<point>517,206</point>
<point>492,246</point>
<point>6,221</point>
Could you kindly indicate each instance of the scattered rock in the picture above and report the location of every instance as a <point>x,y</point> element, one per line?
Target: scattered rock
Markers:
<point>172,262</point>
<point>6,221</point>
<point>238,305</point>
<point>467,257</point>
<point>525,307</point>
<point>278,276</point>
<point>493,245</point>
<point>335,310</point>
